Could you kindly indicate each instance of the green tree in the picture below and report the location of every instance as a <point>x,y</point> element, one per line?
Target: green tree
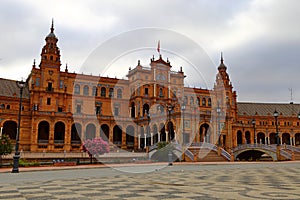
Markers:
<point>5,146</point>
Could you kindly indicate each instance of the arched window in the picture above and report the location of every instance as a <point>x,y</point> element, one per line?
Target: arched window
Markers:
<point>77,89</point>
<point>103,92</point>
<point>119,94</point>
<point>161,92</point>
<point>198,101</point>
<point>203,102</point>
<point>191,100</point>
<point>86,90</point>
<point>209,102</point>
<point>95,91</point>
<point>185,100</point>
<point>145,109</point>
<point>111,92</point>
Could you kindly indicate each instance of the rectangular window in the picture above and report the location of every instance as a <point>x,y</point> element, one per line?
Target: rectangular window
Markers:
<point>48,101</point>
<point>78,108</point>
<point>61,84</point>
<point>116,111</point>
<point>59,109</point>
<point>49,88</point>
<point>37,82</point>
<point>98,110</point>
<point>146,91</point>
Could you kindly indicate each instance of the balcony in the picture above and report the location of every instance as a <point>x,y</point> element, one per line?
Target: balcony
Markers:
<point>49,89</point>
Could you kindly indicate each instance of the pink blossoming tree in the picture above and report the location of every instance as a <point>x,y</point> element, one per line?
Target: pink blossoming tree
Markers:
<point>95,147</point>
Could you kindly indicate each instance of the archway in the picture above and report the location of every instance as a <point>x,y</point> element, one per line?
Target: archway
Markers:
<point>104,132</point>
<point>132,110</point>
<point>163,136</point>
<point>261,138</point>
<point>145,109</point>
<point>59,133</point>
<point>117,135</point>
<point>43,132</point>
<point>239,138</point>
<point>204,133</point>
<point>90,132</point>
<point>155,134</point>
<point>272,138</point>
<point>251,155</point>
<point>171,132</point>
<point>10,129</point>
<point>76,130</point>
<point>297,139</point>
<point>142,138</point>
<point>247,137</point>
<point>130,137</point>
<point>286,138</point>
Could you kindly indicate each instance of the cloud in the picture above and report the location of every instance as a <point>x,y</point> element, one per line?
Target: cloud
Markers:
<point>260,39</point>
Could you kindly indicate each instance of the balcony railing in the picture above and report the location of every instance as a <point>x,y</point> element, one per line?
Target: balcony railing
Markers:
<point>43,141</point>
<point>58,141</point>
<point>76,142</point>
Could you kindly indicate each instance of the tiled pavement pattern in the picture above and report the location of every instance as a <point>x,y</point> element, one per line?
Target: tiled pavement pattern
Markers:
<point>268,182</point>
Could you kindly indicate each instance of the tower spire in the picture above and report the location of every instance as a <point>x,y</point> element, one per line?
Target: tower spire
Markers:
<point>52,26</point>
<point>222,57</point>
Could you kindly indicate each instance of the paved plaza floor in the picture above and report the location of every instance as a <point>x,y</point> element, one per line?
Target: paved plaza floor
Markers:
<point>276,180</point>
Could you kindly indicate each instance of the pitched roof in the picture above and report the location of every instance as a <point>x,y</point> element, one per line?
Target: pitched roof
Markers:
<point>266,109</point>
<point>9,88</point>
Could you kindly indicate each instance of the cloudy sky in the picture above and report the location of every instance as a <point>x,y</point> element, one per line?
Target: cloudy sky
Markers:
<point>260,39</point>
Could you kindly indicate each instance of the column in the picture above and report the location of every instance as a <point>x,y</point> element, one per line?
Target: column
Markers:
<point>145,140</point>
<point>139,141</point>
<point>151,139</point>
<point>243,138</point>
<point>167,136</point>
<point>175,137</point>
<point>291,141</point>
<point>158,136</point>
<point>294,141</point>
<point>280,139</point>
<point>266,140</point>
<point>1,131</point>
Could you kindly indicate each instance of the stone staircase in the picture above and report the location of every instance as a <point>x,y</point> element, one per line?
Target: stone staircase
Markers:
<point>296,151</point>
<point>204,155</point>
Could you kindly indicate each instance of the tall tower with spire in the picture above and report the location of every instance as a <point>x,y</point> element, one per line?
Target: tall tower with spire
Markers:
<point>50,55</point>
<point>225,99</point>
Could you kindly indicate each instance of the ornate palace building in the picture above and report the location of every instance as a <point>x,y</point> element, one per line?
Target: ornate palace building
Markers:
<point>61,109</point>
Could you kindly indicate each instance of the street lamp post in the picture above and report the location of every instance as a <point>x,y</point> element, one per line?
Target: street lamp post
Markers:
<point>21,85</point>
<point>218,122</point>
<point>170,108</point>
<point>148,130</point>
<point>183,135</point>
<point>253,123</point>
<point>276,114</point>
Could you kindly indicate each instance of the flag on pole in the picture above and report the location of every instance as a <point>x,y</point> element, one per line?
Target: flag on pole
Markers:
<point>158,46</point>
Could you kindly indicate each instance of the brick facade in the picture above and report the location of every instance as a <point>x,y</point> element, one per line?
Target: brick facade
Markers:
<point>61,109</point>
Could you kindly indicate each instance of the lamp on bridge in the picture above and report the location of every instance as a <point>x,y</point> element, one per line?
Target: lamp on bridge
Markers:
<point>253,123</point>
<point>21,85</point>
<point>276,114</point>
